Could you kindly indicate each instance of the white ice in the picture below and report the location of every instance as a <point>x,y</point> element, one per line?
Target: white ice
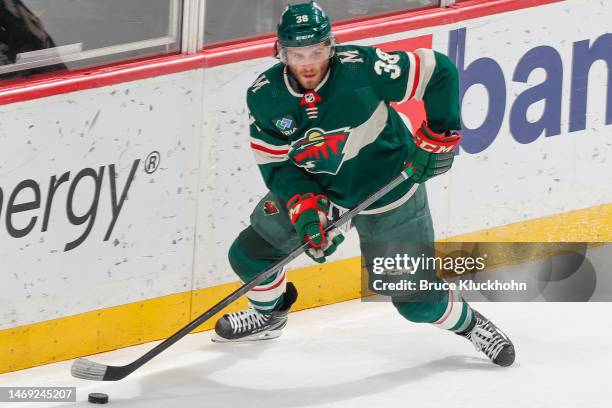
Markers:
<point>356,354</point>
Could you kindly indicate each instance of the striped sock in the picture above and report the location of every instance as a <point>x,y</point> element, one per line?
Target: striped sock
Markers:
<point>458,315</point>
<point>267,296</point>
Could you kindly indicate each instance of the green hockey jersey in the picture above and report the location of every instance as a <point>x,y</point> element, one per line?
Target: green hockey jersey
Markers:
<point>344,139</point>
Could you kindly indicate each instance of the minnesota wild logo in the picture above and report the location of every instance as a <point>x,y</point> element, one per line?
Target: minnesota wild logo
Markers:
<point>320,151</point>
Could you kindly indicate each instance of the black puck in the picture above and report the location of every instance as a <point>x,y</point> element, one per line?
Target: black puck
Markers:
<point>97,398</point>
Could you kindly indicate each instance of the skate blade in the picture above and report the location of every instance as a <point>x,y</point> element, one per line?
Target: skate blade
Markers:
<point>268,335</point>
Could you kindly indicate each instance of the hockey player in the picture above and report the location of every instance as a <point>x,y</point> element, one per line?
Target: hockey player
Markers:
<point>324,135</point>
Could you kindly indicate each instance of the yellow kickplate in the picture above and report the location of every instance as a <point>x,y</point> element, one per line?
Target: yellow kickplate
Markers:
<point>153,319</point>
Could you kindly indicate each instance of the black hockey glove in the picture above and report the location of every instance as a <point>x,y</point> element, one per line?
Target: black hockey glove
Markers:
<point>432,154</point>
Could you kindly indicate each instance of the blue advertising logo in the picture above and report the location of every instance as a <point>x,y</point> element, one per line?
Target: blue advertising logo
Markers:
<point>488,73</point>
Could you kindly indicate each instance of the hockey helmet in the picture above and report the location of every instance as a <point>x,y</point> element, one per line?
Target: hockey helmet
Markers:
<point>304,26</point>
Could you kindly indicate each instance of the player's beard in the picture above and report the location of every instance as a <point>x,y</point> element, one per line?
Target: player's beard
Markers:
<point>310,76</point>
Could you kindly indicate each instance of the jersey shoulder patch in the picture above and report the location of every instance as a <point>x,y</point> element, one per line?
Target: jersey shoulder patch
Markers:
<point>356,54</point>
<point>262,94</point>
<point>269,102</point>
<point>265,80</point>
<point>259,83</point>
<point>350,55</point>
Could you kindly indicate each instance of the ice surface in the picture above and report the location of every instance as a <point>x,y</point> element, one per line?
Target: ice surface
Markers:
<point>356,354</point>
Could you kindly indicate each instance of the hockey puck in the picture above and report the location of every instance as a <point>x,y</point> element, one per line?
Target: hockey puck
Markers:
<point>97,398</point>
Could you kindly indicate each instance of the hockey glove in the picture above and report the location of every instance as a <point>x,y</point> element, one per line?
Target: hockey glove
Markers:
<point>308,214</point>
<point>433,153</point>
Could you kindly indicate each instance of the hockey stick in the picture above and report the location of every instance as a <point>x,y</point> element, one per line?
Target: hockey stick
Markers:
<point>89,370</point>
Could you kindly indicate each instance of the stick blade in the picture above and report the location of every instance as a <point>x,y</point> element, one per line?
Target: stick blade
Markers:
<point>88,370</point>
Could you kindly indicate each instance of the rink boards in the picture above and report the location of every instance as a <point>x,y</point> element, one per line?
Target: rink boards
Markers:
<point>120,198</point>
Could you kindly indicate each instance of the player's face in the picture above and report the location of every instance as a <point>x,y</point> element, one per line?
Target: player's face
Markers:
<point>310,75</point>
<point>308,64</point>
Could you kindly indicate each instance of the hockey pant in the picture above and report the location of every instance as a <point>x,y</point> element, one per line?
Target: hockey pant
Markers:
<point>406,229</point>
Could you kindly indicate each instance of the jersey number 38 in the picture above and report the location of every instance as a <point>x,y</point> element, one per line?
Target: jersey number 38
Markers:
<point>387,63</point>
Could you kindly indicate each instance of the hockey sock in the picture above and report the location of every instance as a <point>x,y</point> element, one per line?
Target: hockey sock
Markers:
<point>458,315</point>
<point>268,296</point>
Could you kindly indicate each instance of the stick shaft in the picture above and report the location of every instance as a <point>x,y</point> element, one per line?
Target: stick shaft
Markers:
<point>115,373</point>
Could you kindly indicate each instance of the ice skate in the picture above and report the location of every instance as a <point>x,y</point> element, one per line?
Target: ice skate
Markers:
<point>489,339</point>
<point>251,325</point>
